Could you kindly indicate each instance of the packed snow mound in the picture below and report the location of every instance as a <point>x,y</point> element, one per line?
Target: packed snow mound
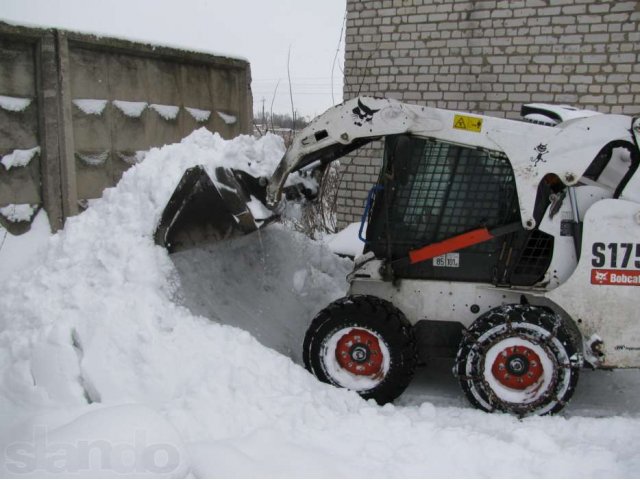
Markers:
<point>289,279</point>
<point>99,343</point>
<point>347,241</point>
<point>19,251</point>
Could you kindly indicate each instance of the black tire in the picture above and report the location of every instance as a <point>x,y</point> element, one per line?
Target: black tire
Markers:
<point>518,359</point>
<point>349,316</point>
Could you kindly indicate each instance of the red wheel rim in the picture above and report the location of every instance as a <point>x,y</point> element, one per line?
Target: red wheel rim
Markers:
<point>358,352</point>
<point>517,367</point>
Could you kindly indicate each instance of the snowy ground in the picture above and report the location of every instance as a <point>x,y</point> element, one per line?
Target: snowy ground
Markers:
<point>117,360</point>
<point>18,252</point>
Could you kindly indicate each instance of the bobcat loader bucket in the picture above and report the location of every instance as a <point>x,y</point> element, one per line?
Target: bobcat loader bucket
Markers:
<point>206,210</point>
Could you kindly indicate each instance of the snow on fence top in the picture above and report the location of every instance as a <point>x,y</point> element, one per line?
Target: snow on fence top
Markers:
<point>91,106</point>
<point>132,157</point>
<point>226,118</point>
<point>199,115</point>
<point>168,112</point>
<point>130,109</point>
<point>134,110</point>
<point>14,104</point>
<point>94,159</point>
<point>18,212</point>
<point>148,42</point>
<point>19,158</point>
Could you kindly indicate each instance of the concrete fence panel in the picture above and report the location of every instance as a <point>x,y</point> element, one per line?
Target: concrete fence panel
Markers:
<point>84,107</point>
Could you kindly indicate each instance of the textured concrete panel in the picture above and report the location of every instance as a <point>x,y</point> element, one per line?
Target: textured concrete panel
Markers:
<point>17,68</point>
<point>85,149</point>
<point>19,129</point>
<point>107,143</point>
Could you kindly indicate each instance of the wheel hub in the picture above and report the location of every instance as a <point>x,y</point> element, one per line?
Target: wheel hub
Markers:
<point>517,367</point>
<point>358,351</point>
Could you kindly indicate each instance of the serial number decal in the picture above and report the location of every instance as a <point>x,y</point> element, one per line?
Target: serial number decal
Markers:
<point>615,264</point>
<point>451,260</point>
<point>625,347</point>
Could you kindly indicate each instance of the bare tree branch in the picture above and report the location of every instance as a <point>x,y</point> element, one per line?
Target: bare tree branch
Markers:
<point>257,127</point>
<point>333,66</point>
<point>293,112</point>
<point>366,68</point>
<point>273,99</point>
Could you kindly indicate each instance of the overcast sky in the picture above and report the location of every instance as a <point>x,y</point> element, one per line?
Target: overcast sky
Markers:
<point>261,31</point>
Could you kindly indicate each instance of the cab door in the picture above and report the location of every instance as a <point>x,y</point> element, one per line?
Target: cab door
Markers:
<point>431,191</point>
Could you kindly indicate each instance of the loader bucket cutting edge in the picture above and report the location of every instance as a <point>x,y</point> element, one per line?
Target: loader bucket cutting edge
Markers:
<point>204,210</point>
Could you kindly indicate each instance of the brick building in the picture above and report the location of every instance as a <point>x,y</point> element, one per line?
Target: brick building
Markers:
<point>487,57</point>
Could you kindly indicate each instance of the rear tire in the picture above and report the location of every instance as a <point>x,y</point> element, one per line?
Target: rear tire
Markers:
<point>518,359</point>
<point>362,343</point>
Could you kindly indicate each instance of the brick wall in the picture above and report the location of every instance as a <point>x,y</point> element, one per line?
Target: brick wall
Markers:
<point>487,57</point>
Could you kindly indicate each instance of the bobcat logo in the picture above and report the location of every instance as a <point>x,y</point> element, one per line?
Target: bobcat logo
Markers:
<point>601,276</point>
<point>363,114</point>
<point>540,150</point>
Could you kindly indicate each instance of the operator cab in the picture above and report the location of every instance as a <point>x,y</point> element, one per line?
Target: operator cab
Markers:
<point>431,191</point>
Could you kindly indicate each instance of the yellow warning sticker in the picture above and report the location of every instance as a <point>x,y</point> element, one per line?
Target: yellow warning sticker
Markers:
<point>464,122</point>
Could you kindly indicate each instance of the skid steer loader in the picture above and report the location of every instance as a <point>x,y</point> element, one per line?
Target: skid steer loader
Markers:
<point>513,248</point>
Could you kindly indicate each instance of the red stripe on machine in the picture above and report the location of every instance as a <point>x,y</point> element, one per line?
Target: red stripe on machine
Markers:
<point>452,244</point>
<point>615,277</point>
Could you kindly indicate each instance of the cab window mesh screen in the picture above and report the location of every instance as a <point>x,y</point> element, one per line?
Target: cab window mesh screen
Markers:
<point>435,191</point>
<point>535,257</point>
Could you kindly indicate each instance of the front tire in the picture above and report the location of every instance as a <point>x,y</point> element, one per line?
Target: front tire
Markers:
<point>518,359</point>
<point>364,344</point>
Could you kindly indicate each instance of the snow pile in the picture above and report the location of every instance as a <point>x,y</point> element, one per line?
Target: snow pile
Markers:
<point>226,118</point>
<point>198,114</point>
<point>17,252</point>
<point>288,278</point>
<point>90,106</point>
<point>19,158</point>
<point>130,109</point>
<point>14,104</point>
<point>347,242</point>
<point>168,112</point>
<point>98,348</point>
